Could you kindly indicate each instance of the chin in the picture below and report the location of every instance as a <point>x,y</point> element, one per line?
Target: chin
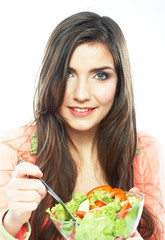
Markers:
<point>82,128</point>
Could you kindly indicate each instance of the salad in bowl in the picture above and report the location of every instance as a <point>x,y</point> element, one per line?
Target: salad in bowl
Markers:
<point>104,213</point>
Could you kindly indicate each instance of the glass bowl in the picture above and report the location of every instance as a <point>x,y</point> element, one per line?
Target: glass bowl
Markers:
<point>104,228</point>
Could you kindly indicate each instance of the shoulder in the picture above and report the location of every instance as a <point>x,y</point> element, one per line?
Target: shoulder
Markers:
<point>151,152</point>
<point>17,133</point>
<point>13,144</point>
<point>148,164</point>
<point>145,141</point>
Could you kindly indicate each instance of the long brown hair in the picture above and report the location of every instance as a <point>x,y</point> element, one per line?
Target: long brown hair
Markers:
<point>117,136</point>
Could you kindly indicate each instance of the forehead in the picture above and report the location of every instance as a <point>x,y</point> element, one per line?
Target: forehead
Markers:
<point>92,53</point>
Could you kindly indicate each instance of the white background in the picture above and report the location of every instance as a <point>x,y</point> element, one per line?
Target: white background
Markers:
<point>25,27</point>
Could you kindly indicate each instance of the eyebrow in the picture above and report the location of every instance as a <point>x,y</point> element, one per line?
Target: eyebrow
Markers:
<point>94,69</point>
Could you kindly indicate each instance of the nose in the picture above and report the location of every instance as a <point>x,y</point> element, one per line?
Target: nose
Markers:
<point>82,91</point>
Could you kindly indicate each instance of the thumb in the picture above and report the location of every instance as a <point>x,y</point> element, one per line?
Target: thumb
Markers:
<point>27,169</point>
<point>134,190</point>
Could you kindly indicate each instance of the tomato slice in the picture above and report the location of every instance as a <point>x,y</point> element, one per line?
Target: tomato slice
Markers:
<point>123,212</point>
<point>71,236</point>
<point>94,211</point>
<point>91,207</point>
<point>60,224</point>
<point>54,213</point>
<point>118,193</point>
<point>99,203</point>
<point>80,214</point>
<point>105,188</point>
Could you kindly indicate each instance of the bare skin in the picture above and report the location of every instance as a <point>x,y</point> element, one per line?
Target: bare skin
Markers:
<point>90,173</point>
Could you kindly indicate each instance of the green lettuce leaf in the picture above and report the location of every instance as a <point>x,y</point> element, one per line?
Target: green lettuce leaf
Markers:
<point>102,196</point>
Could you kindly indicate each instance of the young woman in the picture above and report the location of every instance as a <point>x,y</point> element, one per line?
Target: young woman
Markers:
<point>84,133</point>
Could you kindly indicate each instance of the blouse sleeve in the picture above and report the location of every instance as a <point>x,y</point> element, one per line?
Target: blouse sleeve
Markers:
<point>13,145</point>
<point>149,176</point>
<point>8,159</point>
<point>23,234</point>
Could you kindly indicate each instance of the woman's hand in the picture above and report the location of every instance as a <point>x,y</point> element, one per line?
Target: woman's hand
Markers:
<point>134,190</point>
<point>134,236</point>
<point>24,195</point>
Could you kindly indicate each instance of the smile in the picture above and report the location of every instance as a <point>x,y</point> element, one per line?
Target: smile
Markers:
<point>81,112</point>
<point>81,109</point>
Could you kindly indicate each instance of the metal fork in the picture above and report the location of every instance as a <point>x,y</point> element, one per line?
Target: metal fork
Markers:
<point>54,195</point>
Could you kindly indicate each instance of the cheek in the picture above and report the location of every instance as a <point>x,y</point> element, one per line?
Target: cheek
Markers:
<point>66,95</point>
<point>105,96</point>
<point>68,90</point>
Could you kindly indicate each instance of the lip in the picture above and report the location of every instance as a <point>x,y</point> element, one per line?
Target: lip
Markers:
<point>81,111</point>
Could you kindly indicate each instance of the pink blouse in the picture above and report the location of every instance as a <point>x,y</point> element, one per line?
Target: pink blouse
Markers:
<point>148,167</point>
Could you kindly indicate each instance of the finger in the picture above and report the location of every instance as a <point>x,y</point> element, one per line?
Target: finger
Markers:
<point>24,196</point>
<point>25,168</point>
<point>27,184</point>
<point>134,190</point>
<point>135,236</point>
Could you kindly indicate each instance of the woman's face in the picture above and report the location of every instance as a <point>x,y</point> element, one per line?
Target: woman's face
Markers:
<point>91,86</point>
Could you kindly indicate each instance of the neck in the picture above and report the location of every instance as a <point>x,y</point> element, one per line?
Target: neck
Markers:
<point>85,145</point>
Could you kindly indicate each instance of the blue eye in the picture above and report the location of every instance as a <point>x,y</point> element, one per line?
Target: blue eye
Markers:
<point>102,76</point>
